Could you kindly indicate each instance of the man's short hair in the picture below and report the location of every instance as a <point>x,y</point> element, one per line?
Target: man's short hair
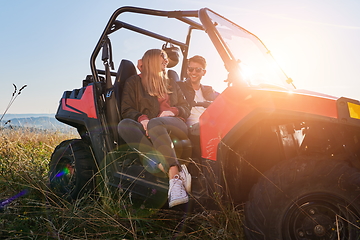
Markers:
<point>198,59</point>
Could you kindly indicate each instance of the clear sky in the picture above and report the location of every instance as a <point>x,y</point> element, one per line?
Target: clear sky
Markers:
<point>47,44</point>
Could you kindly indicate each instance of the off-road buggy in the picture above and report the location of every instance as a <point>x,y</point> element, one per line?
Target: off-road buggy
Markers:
<point>292,156</point>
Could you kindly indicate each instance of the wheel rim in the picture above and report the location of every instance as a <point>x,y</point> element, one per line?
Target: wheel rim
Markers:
<point>321,216</point>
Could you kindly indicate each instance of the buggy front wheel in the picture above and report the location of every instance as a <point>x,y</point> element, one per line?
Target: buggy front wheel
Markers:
<point>72,169</point>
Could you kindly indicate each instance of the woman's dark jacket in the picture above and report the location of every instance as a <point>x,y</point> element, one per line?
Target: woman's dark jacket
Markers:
<point>136,101</point>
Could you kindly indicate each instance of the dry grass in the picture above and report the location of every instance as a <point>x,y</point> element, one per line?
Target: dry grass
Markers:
<point>32,211</point>
<point>24,156</point>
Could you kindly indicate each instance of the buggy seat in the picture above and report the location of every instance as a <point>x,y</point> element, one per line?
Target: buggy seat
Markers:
<point>127,69</point>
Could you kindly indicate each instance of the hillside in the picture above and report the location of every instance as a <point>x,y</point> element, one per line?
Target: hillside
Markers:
<point>9,116</point>
<point>37,121</point>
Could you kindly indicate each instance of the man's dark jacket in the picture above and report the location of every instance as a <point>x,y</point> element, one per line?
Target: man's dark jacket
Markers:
<point>208,93</point>
<point>136,101</point>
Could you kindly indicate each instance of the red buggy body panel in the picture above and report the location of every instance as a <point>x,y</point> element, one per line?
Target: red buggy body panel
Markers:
<point>234,104</point>
<point>82,103</point>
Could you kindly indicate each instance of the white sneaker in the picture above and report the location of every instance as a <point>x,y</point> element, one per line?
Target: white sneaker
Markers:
<point>185,178</point>
<point>177,193</point>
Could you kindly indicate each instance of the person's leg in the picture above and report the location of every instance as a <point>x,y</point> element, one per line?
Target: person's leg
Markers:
<point>195,129</point>
<point>133,134</point>
<point>194,136</point>
<point>131,131</point>
<point>159,130</point>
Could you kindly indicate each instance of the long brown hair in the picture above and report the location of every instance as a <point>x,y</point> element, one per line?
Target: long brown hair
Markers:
<point>153,78</point>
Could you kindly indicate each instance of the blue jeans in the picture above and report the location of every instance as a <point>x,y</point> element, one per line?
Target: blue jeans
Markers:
<point>158,147</point>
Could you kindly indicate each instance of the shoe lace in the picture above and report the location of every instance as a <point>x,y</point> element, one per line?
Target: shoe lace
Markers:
<point>177,188</point>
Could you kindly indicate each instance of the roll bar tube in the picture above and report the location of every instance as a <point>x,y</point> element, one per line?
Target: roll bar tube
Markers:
<point>120,24</point>
<point>215,37</point>
<point>111,27</point>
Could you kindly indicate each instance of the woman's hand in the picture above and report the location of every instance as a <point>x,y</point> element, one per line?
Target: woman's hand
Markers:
<point>144,123</point>
<point>166,114</point>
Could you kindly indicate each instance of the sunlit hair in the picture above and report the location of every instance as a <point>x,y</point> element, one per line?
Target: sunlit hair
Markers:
<point>154,79</point>
<point>198,59</point>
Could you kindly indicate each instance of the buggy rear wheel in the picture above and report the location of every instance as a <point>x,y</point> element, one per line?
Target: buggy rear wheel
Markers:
<point>306,199</point>
<point>72,169</point>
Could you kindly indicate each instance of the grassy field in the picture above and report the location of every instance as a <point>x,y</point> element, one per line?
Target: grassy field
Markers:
<point>29,210</point>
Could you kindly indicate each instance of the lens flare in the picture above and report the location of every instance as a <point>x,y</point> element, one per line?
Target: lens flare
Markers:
<point>9,200</point>
<point>63,172</point>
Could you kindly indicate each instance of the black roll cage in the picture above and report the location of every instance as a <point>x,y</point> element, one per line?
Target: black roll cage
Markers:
<point>207,25</point>
<point>114,25</point>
